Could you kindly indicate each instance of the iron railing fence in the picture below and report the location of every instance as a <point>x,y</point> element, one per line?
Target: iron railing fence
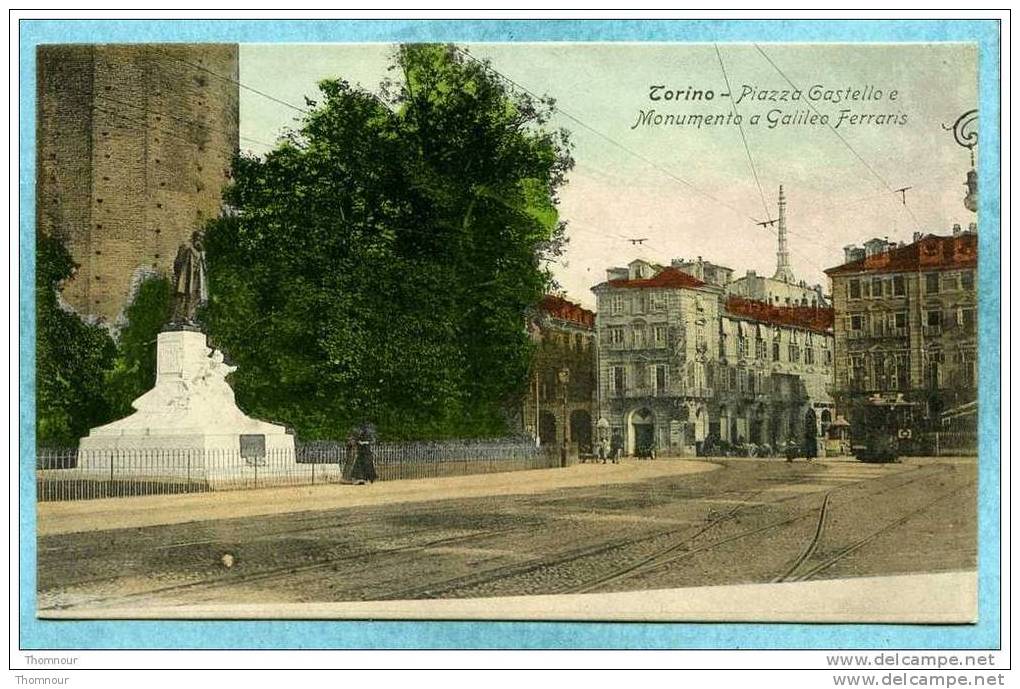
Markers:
<point>74,474</point>
<point>944,444</point>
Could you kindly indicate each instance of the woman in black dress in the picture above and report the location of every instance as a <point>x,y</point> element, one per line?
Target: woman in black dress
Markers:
<point>364,462</point>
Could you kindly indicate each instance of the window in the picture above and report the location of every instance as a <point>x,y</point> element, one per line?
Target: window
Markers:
<point>616,336</point>
<point>967,280</point>
<point>950,282</point>
<point>794,353</point>
<point>660,336</point>
<point>828,357</point>
<point>637,304</point>
<point>968,317</point>
<point>968,368</point>
<point>857,323</point>
<point>809,355</point>
<point>638,335</point>
<point>660,377</point>
<point>933,319</point>
<point>855,289</point>
<point>899,286</point>
<point>933,369</point>
<point>658,302</point>
<point>931,283</point>
<point>857,372</point>
<point>741,347</point>
<point>759,348</point>
<point>616,306</point>
<point>618,380</point>
<point>722,345</point>
<point>775,349</point>
<point>900,320</point>
<point>881,380</point>
<point>901,374</point>
<point>876,287</point>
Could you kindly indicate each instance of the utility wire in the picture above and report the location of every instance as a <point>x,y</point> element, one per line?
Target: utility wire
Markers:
<point>147,110</point>
<point>846,143</point>
<point>598,133</point>
<point>239,84</point>
<point>637,155</point>
<point>743,136</point>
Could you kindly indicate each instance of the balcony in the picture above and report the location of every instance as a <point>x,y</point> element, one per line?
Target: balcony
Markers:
<point>932,330</point>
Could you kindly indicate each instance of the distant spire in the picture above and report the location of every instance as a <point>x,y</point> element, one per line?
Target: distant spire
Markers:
<point>783,271</point>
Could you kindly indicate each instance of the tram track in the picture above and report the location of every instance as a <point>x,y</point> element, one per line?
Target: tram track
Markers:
<point>395,558</point>
<point>664,556</point>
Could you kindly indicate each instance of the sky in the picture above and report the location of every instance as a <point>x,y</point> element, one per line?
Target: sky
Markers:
<point>694,191</point>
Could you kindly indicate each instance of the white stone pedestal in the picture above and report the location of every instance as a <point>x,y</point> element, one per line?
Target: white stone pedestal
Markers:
<point>188,426</point>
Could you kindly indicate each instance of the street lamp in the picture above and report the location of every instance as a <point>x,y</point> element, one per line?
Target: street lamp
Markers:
<point>965,133</point>
<point>563,375</point>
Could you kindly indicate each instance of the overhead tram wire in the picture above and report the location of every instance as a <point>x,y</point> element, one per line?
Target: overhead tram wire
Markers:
<point>743,136</point>
<point>145,110</point>
<point>846,143</point>
<point>605,137</point>
<point>239,83</point>
<point>630,151</point>
<point>268,95</point>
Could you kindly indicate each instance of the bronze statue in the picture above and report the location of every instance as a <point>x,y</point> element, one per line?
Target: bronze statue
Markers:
<point>190,282</point>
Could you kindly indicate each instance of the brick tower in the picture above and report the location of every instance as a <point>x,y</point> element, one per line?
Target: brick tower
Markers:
<point>134,145</point>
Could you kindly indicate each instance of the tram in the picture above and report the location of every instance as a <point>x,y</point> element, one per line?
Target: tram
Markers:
<point>882,427</point>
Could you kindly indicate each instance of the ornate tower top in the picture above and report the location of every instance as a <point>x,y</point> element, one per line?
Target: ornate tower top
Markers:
<point>783,271</point>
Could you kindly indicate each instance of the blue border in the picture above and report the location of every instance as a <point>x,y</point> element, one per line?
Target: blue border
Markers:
<point>39,634</point>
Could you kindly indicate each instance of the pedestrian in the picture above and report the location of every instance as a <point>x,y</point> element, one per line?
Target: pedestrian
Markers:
<point>364,462</point>
<point>791,449</point>
<point>605,450</point>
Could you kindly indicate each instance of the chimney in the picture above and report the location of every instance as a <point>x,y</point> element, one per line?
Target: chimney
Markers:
<point>956,229</point>
<point>972,228</point>
<point>917,237</point>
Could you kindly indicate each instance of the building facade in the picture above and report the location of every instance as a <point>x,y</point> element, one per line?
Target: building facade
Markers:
<point>683,366</point>
<point>134,146</point>
<point>906,324</point>
<point>560,401</point>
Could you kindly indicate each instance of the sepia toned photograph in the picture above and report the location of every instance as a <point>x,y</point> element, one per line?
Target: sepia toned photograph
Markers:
<point>509,331</point>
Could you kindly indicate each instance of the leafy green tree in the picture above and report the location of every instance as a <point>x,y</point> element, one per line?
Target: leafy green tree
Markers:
<point>134,368</point>
<point>71,356</point>
<point>382,258</point>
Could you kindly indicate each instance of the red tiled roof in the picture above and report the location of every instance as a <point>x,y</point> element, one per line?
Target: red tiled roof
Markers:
<point>928,253</point>
<point>560,308</point>
<point>807,317</point>
<point>667,277</point>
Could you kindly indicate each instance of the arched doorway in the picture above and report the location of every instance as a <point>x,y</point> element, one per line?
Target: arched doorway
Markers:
<point>826,422</point>
<point>810,433</point>
<point>547,428</point>
<point>757,435</point>
<point>724,423</point>
<point>580,429</point>
<point>700,424</point>
<point>641,430</point>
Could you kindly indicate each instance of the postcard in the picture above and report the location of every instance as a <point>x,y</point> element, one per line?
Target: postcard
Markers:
<point>508,330</point>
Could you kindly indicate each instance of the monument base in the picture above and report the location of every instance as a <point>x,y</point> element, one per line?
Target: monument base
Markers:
<point>188,426</point>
